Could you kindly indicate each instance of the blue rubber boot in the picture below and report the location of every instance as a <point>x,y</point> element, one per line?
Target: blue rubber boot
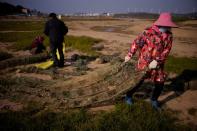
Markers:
<point>128,100</point>
<point>155,104</point>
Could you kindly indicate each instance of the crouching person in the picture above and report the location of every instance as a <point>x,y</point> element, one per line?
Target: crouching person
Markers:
<point>154,45</point>
<point>37,45</point>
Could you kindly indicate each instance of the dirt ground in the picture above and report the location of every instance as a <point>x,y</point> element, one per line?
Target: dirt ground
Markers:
<point>118,41</point>
<point>184,45</point>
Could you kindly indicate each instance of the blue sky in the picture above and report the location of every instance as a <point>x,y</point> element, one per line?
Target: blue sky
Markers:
<point>114,6</point>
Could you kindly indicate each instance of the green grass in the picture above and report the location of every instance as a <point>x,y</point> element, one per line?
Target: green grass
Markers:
<point>26,42</point>
<point>22,40</point>
<point>192,111</point>
<point>177,65</point>
<point>82,43</point>
<point>180,18</point>
<point>21,25</point>
<point>138,117</point>
<point>4,55</point>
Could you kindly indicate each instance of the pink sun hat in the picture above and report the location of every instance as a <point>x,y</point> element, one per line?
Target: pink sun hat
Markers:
<point>165,19</point>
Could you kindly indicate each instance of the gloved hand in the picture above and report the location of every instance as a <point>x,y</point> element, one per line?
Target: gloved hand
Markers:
<point>127,58</point>
<point>153,64</point>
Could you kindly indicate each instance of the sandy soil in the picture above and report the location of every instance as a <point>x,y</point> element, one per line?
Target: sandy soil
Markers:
<point>35,75</point>
<point>183,104</point>
<point>185,40</point>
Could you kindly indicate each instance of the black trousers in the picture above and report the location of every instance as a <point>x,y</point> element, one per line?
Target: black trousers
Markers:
<point>54,47</point>
<point>156,92</point>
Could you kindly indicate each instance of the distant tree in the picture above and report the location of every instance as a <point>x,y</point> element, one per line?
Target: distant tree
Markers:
<point>8,9</point>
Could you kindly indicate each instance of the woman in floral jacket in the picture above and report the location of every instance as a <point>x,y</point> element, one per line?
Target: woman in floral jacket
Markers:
<point>154,45</point>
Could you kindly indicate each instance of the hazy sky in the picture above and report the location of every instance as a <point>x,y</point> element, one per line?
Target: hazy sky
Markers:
<point>73,6</point>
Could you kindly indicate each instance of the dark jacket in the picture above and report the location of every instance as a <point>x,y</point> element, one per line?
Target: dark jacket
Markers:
<point>55,29</point>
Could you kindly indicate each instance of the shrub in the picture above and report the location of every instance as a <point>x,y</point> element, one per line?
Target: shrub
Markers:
<point>4,55</point>
<point>21,25</point>
<point>138,117</point>
<point>82,43</point>
<point>177,65</point>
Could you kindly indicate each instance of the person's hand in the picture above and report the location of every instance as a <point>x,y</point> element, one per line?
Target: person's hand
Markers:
<point>127,58</point>
<point>153,64</point>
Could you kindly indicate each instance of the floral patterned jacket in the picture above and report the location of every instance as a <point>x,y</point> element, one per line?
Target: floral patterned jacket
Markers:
<point>152,45</point>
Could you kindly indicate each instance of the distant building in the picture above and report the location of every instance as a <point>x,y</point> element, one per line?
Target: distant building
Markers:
<point>89,14</point>
<point>107,14</point>
<point>59,17</point>
<point>24,10</point>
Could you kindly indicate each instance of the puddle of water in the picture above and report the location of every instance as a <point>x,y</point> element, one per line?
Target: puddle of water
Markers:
<point>118,29</point>
<point>110,29</point>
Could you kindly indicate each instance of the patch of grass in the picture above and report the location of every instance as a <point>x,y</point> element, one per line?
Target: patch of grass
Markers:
<point>180,18</point>
<point>82,43</point>
<point>4,55</point>
<point>12,36</point>
<point>25,43</point>
<point>66,94</point>
<point>21,25</point>
<point>138,117</point>
<point>177,65</point>
<point>22,40</point>
<point>6,83</point>
<point>192,25</point>
<point>192,111</point>
<point>81,65</point>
